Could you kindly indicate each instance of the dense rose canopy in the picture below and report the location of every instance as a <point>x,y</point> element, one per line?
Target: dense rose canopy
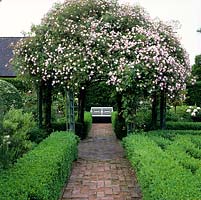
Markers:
<point>87,40</point>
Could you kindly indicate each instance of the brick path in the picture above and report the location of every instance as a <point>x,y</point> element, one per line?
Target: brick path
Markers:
<point>101,171</point>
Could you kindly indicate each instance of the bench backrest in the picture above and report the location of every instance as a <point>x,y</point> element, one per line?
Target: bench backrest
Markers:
<point>101,111</point>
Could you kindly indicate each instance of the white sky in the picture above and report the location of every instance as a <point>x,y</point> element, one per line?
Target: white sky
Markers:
<point>17,16</point>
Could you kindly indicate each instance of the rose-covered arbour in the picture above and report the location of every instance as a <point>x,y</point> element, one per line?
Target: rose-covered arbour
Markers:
<point>159,67</point>
<point>79,42</point>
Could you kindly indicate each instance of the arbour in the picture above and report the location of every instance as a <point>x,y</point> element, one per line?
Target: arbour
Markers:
<point>83,41</point>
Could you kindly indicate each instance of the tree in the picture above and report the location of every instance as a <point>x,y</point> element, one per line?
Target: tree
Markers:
<point>194,90</point>
<point>196,69</point>
<point>80,42</point>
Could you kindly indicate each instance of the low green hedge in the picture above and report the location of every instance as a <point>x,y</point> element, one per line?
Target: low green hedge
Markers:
<point>42,172</point>
<point>170,134</point>
<point>183,125</point>
<point>83,131</point>
<point>119,126</point>
<point>162,142</point>
<point>87,123</point>
<point>183,147</point>
<point>182,150</point>
<point>160,176</point>
<point>113,118</point>
<point>80,130</point>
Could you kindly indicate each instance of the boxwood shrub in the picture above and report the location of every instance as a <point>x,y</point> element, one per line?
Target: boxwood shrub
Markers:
<point>42,172</point>
<point>83,131</point>
<point>183,125</point>
<point>182,150</point>
<point>87,123</point>
<point>170,134</point>
<point>160,176</point>
<point>80,131</point>
<point>118,126</point>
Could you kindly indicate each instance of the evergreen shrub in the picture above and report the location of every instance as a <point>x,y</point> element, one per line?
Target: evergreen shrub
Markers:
<point>119,126</point>
<point>9,97</point>
<point>42,172</point>
<point>183,125</point>
<point>15,139</point>
<point>163,174</point>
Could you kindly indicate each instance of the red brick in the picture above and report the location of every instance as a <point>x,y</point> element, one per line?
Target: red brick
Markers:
<point>100,194</point>
<point>108,191</point>
<point>102,173</point>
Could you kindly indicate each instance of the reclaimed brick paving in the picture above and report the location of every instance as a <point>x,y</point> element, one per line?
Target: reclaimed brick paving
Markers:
<point>101,171</point>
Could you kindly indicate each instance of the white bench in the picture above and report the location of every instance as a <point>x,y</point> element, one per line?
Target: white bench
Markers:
<point>101,111</point>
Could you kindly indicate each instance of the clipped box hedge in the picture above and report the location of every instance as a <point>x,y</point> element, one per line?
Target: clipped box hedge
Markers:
<point>41,173</point>
<point>171,134</point>
<point>81,130</point>
<point>160,176</point>
<point>183,125</point>
<point>118,126</point>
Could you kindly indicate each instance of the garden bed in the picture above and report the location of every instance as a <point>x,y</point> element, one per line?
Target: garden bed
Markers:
<point>167,167</point>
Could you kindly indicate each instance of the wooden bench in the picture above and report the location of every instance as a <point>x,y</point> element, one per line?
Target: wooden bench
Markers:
<point>101,111</point>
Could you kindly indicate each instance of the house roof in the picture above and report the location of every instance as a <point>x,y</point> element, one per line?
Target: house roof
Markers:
<point>6,53</point>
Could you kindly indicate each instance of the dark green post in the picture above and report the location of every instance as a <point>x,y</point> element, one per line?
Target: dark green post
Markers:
<point>48,104</point>
<point>163,110</point>
<point>40,105</point>
<point>70,115</point>
<point>154,111</point>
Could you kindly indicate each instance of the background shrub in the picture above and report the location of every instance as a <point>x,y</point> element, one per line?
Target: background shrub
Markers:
<point>59,125</point>
<point>27,93</point>
<point>99,94</point>
<point>83,131</point>
<point>178,114</point>
<point>194,93</point>
<point>9,97</point>
<point>80,130</point>
<point>119,126</point>
<point>113,118</point>
<point>37,134</point>
<point>143,118</point>
<point>21,85</point>
<point>29,100</point>
<point>15,143</point>
<point>183,125</point>
<point>87,123</point>
<point>42,172</point>
<point>197,117</point>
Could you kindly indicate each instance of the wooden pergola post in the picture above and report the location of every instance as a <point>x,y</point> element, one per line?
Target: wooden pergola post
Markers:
<point>70,115</point>
<point>40,104</point>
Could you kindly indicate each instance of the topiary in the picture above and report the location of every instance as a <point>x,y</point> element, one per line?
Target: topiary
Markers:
<point>9,97</point>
